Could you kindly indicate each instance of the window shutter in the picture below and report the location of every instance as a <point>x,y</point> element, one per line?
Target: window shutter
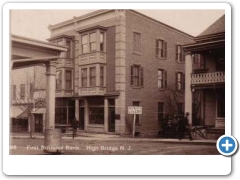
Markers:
<point>165,49</point>
<point>141,76</point>
<point>182,55</point>
<point>176,81</point>
<point>165,73</point>
<point>131,75</point>
<point>176,52</point>
<point>157,48</point>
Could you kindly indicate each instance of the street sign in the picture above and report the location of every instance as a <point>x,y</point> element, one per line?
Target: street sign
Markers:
<point>134,110</point>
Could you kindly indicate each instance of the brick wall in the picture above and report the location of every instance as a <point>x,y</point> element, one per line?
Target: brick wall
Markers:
<point>149,95</point>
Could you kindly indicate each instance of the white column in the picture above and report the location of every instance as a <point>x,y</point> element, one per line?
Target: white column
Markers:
<point>106,114</point>
<point>50,96</point>
<point>188,91</point>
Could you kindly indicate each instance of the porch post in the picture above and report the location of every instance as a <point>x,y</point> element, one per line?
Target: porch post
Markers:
<point>106,115</point>
<point>188,91</point>
<point>50,96</point>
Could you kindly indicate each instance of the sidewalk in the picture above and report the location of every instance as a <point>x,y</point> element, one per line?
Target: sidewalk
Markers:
<point>111,137</point>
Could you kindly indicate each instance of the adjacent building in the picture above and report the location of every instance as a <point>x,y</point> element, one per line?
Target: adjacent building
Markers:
<point>205,77</point>
<point>116,59</point>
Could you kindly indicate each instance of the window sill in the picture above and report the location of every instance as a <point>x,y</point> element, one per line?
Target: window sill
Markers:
<point>136,87</point>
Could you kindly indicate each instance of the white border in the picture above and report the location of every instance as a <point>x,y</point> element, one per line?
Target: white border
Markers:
<point>113,165</point>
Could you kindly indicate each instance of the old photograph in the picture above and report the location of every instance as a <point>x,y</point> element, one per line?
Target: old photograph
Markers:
<point>117,81</point>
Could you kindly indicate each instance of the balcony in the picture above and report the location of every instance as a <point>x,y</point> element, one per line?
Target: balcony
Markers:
<point>97,57</point>
<point>92,91</point>
<point>208,78</point>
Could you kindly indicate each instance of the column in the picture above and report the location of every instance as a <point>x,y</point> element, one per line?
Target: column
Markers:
<point>188,91</point>
<point>86,114</point>
<point>77,109</point>
<point>50,96</point>
<point>106,114</point>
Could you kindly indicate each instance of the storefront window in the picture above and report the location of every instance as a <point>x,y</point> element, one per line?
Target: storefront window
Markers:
<point>96,111</point>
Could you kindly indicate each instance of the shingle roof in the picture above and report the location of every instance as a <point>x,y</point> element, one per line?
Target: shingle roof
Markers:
<point>217,27</point>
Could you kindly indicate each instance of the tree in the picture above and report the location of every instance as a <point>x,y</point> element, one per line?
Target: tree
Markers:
<point>31,93</point>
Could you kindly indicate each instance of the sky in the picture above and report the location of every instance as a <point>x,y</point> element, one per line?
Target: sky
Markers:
<point>34,23</point>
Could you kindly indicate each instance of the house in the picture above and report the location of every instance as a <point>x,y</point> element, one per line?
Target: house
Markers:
<point>117,59</point>
<point>205,78</point>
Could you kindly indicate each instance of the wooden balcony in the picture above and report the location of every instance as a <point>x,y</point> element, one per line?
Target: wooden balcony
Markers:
<point>92,58</point>
<point>208,78</point>
<point>92,91</point>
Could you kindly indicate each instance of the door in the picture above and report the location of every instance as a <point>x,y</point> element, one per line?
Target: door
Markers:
<point>81,118</point>
<point>38,122</point>
<point>111,125</point>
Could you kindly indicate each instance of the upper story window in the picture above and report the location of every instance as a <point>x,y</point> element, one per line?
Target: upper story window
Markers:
<point>92,76</point>
<point>136,42</point>
<point>68,79</point>
<point>161,48</point>
<point>93,42</point>
<point>180,81</point>
<point>84,77</point>
<point>101,41</point>
<point>22,91</point>
<point>59,80</point>
<point>136,76</point>
<point>162,78</point>
<point>68,53</point>
<point>31,90</point>
<point>101,76</point>
<point>179,53</point>
<point>85,44</point>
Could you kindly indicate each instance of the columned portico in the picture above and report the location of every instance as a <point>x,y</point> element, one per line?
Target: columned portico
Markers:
<point>188,91</point>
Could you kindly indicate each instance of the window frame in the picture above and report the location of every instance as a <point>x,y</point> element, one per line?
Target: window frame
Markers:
<point>59,81</point>
<point>164,79</point>
<point>102,72</point>
<point>163,49</point>
<point>68,81</point>
<point>85,44</point>
<point>180,81</point>
<point>22,91</point>
<point>136,77</point>
<point>179,53</point>
<point>91,77</point>
<point>137,42</point>
<point>83,78</point>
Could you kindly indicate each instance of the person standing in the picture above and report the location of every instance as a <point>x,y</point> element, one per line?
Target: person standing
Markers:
<point>184,127</point>
<point>74,126</point>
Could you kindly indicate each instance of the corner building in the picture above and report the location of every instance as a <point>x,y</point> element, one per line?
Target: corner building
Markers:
<point>116,59</point>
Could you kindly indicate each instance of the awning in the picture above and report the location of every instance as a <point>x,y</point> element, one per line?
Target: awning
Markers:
<point>39,111</point>
<point>15,112</point>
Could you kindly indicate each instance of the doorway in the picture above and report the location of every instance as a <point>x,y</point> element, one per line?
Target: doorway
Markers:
<point>38,122</point>
<point>81,118</point>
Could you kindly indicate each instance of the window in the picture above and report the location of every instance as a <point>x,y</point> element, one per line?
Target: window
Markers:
<point>101,41</point>
<point>68,53</point>
<point>31,90</point>
<point>92,76</point>
<point>162,79</point>
<point>161,48</point>
<point>136,42</point>
<point>220,66</point>
<point>160,112</point>
<point>136,76</point>
<point>221,103</point>
<point>85,44</point>
<point>137,103</point>
<point>14,91</point>
<point>179,54</point>
<point>101,76</point>
<point>93,42</point>
<point>22,91</point>
<point>68,80</point>
<point>180,81</point>
<point>59,80</point>
<point>198,62</point>
<point>84,77</point>
<point>96,111</point>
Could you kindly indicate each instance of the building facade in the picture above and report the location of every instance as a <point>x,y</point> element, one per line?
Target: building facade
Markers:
<point>205,77</point>
<point>116,59</point>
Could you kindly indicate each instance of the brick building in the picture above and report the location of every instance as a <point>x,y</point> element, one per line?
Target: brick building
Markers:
<point>205,78</point>
<point>116,59</point>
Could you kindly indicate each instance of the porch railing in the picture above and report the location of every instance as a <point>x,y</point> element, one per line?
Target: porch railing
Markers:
<point>207,78</point>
